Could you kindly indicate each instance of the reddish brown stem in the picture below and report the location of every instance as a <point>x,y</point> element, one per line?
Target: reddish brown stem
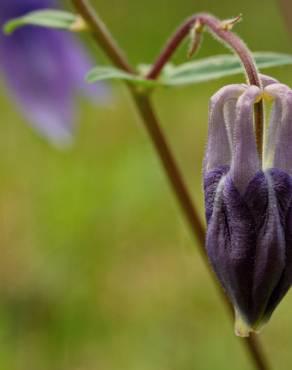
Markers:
<point>171,46</point>
<point>145,109</point>
<point>217,28</point>
<point>102,36</point>
<point>230,39</point>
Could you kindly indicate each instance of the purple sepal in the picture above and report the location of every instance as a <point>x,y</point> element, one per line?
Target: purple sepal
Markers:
<point>246,240</point>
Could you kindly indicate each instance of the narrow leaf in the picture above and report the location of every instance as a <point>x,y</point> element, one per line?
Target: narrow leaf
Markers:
<point>217,67</point>
<point>192,72</point>
<point>111,73</point>
<point>45,18</point>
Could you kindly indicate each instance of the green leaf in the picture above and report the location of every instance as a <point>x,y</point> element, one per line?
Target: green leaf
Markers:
<point>45,18</point>
<point>111,73</point>
<point>217,67</point>
<point>192,72</point>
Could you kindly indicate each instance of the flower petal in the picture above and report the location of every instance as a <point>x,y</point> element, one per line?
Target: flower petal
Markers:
<point>281,127</point>
<point>218,151</point>
<point>267,80</point>
<point>36,71</point>
<point>44,70</point>
<point>230,245</point>
<point>275,122</point>
<point>246,244</point>
<point>245,160</point>
<point>78,65</point>
<point>270,249</point>
<point>282,184</point>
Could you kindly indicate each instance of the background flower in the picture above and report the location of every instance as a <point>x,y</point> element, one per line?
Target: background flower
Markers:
<point>44,69</point>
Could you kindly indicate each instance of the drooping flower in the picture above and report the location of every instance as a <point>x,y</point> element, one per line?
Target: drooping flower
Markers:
<point>44,69</point>
<point>249,201</point>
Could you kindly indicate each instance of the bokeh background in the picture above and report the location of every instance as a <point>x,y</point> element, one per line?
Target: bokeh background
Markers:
<point>98,270</point>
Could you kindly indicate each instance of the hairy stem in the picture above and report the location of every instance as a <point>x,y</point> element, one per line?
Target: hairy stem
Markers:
<point>219,29</point>
<point>102,35</point>
<point>148,116</point>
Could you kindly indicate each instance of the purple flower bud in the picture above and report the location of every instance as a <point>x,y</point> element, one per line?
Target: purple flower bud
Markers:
<point>44,69</point>
<point>249,203</point>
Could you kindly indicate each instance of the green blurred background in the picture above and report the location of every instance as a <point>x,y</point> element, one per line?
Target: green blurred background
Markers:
<point>98,270</point>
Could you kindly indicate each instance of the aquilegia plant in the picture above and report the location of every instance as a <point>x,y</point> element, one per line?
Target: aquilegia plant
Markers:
<point>248,189</point>
<point>44,68</point>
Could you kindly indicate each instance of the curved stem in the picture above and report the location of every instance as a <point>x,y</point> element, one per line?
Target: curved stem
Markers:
<point>171,46</point>
<point>161,145</point>
<point>219,29</point>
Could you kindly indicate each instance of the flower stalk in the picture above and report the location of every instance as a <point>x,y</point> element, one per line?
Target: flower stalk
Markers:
<point>107,43</point>
<point>222,30</point>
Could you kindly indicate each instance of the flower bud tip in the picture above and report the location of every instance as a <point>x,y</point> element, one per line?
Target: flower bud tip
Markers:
<point>228,24</point>
<point>195,38</point>
<point>242,329</point>
<point>78,25</point>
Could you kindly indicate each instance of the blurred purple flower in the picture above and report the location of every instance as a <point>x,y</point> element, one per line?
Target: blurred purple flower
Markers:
<point>249,201</point>
<point>44,69</point>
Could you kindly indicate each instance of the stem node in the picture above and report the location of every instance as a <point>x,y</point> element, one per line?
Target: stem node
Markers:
<point>228,24</point>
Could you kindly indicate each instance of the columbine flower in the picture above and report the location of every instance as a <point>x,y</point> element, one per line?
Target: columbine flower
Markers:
<point>249,204</point>
<point>43,68</point>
